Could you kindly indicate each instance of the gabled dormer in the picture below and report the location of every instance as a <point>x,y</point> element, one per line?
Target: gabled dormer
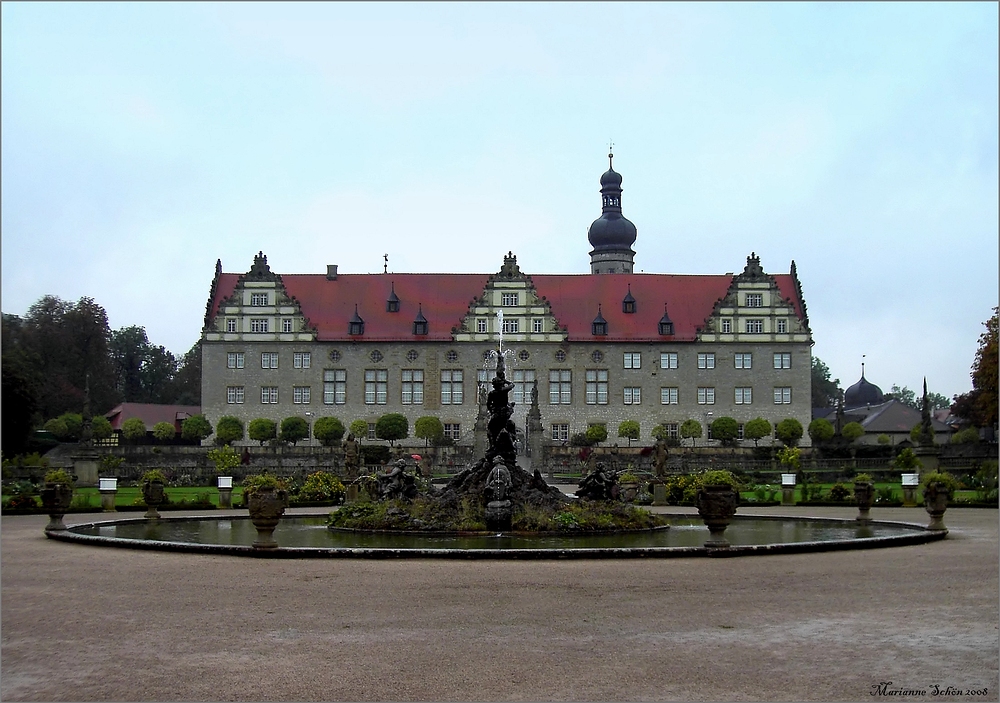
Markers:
<point>392,302</point>
<point>420,323</point>
<point>599,327</point>
<point>526,316</point>
<point>754,310</point>
<point>259,309</point>
<point>628,302</point>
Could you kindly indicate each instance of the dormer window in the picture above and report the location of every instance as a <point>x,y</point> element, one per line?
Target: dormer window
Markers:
<point>420,323</point>
<point>356,326</point>
<point>628,304</point>
<point>392,303</point>
<point>599,327</point>
<point>666,326</point>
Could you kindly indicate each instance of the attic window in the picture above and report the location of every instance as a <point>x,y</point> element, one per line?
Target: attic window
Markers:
<point>666,326</point>
<point>356,325</point>
<point>420,323</point>
<point>599,327</point>
<point>628,304</point>
<point>392,303</point>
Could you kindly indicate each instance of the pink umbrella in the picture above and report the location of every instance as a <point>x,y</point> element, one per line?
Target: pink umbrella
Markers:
<point>415,457</point>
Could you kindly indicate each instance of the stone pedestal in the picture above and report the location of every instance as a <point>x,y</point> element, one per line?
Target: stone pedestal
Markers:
<point>788,489</point>
<point>930,457</point>
<point>910,483</point>
<point>85,467</point>
<point>225,492</point>
<point>108,489</point>
<point>659,494</point>
<point>352,493</point>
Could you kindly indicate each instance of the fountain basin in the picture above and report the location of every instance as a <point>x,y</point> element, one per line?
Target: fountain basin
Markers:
<point>309,537</point>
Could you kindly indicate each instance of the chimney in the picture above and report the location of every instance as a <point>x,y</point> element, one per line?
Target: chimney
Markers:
<point>331,272</point>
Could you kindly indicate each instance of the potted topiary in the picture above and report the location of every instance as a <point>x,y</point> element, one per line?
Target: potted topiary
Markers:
<point>628,484</point>
<point>716,500</point>
<point>56,498</point>
<point>939,487</point>
<point>266,497</point>
<point>864,495</point>
<point>153,485</point>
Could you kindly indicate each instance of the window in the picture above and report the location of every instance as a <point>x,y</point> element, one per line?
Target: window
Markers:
<point>560,387</point>
<point>484,379</point>
<point>376,386</point>
<point>301,360</point>
<point>597,386</point>
<point>668,396</point>
<point>335,356</point>
<point>235,360</point>
<point>739,431</point>
<point>258,324</point>
<point>744,396</point>
<point>269,360</point>
<point>782,325</point>
<point>597,356</point>
<point>782,395</point>
<point>666,327</point>
<point>706,360</point>
<point>258,299</point>
<point>633,360</point>
<point>524,355</point>
<point>286,325</point>
<point>672,430</point>
<point>668,360</point>
<point>420,326</point>
<point>451,387</point>
<point>269,394</point>
<point>523,380</point>
<point>744,360</point>
<point>755,326</point>
<point>560,432</point>
<point>375,356</point>
<point>452,356</point>
<point>755,300</point>
<point>234,394</point>
<point>508,299</point>
<point>371,431</point>
<point>230,325</point>
<point>413,387</point>
<point>510,325</point>
<point>560,356</point>
<point>632,395</point>
<point>782,360</point>
<point>706,396</point>
<point>301,395</point>
<point>412,355</point>
<point>335,386</point>
<point>537,325</point>
<point>481,327</point>
<point>599,328</point>
<point>727,326</point>
<point>453,431</point>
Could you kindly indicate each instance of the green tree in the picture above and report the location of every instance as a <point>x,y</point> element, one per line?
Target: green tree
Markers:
<point>789,431</point>
<point>187,380</point>
<point>164,431</point>
<point>392,426</point>
<point>359,428</point>
<point>262,430</point>
<point>726,430</point>
<point>294,429</point>
<point>629,429</point>
<point>597,433</point>
<point>428,428</point>
<point>228,429</point>
<point>691,429</point>
<point>57,426</point>
<point>852,431</point>
<point>328,430</point>
<point>979,405</point>
<point>134,429</point>
<point>909,398</point>
<point>821,430</point>
<point>660,432</point>
<point>757,429</point>
<point>970,435</point>
<point>225,458</point>
<point>825,391</point>
<point>144,373</point>
<point>100,426</point>
<point>196,428</point>
<point>74,425</point>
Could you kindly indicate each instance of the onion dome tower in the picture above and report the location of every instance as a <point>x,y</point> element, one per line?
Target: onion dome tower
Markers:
<point>611,235</point>
<point>863,393</point>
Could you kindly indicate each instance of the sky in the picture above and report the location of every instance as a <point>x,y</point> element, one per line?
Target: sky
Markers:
<point>142,142</point>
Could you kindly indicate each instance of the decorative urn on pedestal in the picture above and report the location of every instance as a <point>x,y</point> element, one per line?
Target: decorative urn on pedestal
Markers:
<point>57,495</point>
<point>266,498</point>
<point>939,487</point>
<point>153,492</point>
<point>716,500</point>
<point>864,496</point>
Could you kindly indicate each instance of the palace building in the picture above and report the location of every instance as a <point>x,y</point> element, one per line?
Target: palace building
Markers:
<point>602,347</point>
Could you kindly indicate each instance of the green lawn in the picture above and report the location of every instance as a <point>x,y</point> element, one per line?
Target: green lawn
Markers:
<point>127,496</point>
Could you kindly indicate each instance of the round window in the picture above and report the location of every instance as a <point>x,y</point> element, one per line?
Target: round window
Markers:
<point>412,355</point>
<point>523,355</point>
<point>376,355</point>
<point>560,356</point>
<point>597,355</point>
<point>452,355</point>
<point>335,355</point>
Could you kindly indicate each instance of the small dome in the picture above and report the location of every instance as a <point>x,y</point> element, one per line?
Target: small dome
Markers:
<point>863,393</point>
<point>611,178</point>
<point>611,231</point>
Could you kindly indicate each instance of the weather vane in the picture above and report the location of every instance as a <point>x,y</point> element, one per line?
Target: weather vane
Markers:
<point>611,151</point>
<point>385,268</point>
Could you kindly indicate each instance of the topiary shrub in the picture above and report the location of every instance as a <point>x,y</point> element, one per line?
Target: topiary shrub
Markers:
<point>328,430</point>
<point>59,476</point>
<point>164,431</point>
<point>839,492</point>
<point>134,429</point>
<point>321,486</point>
<point>228,429</point>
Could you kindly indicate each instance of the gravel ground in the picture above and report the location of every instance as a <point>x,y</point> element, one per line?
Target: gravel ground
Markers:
<point>82,623</point>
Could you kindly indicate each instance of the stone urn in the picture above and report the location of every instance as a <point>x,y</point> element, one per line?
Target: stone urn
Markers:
<point>628,491</point>
<point>266,504</point>
<point>936,496</point>
<point>716,505</point>
<point>56,499</point>
<point>864,496</point>
<point>154,495</point>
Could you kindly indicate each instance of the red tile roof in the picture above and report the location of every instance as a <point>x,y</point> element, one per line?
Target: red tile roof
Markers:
<point>445,298</point>
<point>151,413</point>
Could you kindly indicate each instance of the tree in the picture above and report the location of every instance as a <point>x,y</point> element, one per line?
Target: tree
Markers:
<point>164,431</point>
<point>852,431</point>
<point>428,428</point>
<point>629,429</point>
<point>726,430</point>
<point>597,433</point>
<point>144,373</point>
<point>825,391</point>
<point>909,398</point>
<point>691,429</point>
<point>328,430</point>
<point>294,429</point>
<point>187,380</point>
<point>100,426</point>
<point>196,428</point>
<point>228,429</point>
<point>392,426</point>
<point>57,427</point>
<point>757,429</point>
<point>134,429</point>
<point>225,458</point>
<point>74,425</point>
<point>789,431</point>
<point>979,406</point>
<point>821,430</point>
<point>359,428</point>
<point>970,435</point>
<point>263,430</point>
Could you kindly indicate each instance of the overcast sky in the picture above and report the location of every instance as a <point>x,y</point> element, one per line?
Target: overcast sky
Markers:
<point>141,142</point>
